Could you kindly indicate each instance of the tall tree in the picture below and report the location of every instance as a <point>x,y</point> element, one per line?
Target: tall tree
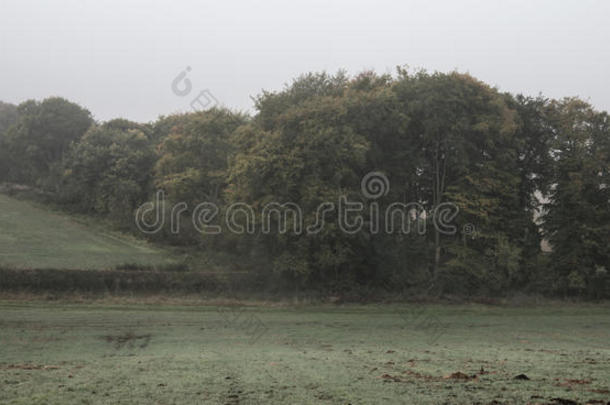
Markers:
<point>577,221</point>
<point>302,150</point>
<point>464,133</point>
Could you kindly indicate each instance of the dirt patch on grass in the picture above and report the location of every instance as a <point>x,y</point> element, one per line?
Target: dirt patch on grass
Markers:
<point>233,395</point>
<point>128,339</point>
<point>460,376</point>
<point>30,367</point>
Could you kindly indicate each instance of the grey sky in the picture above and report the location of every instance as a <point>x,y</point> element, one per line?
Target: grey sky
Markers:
<point>119,57</point>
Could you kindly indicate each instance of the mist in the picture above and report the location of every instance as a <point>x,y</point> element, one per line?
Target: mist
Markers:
<point>119,58</point>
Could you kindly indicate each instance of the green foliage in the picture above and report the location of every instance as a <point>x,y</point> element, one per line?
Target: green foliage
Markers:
<point>306,87</point>
<point>194,156</point>
<point>311,153</point>
<point>577,220</point>
<point>41,138</point>
<point>109,171</point>
<point>462,134</point>
<point>437,137</point>
<point>8,117</point>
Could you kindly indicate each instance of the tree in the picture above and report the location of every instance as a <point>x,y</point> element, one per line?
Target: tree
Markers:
<point>577,220</point>
<point>194,157</point>
<point>109,171</point>
<point>8,117</point>
<point>41,138</point>
<point>302,150</point>
<point>464,134</point>
<point>432,139</point>
<point>533,140</point>
<point>271,105</point>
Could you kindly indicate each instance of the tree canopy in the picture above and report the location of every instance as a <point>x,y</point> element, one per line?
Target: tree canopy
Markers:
<point>514,169</point>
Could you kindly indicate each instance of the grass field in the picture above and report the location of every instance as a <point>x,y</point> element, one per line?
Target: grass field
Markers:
<point>33,237</point>
<point>159,354</point>
<point>105,353</point>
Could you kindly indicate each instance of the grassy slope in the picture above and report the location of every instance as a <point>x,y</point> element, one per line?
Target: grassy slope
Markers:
<point>333,355</point>
<point>32,237</point>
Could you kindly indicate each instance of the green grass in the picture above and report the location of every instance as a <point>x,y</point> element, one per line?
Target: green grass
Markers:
<point>33,237</point>
<point>151,354</point>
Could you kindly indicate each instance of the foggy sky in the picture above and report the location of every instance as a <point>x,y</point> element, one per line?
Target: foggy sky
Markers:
<point>118,57</point>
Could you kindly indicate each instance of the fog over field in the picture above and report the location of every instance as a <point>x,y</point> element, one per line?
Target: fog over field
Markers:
<point>305,202</point>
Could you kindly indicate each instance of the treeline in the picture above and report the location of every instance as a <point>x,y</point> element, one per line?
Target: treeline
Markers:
<point>520,169</point>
